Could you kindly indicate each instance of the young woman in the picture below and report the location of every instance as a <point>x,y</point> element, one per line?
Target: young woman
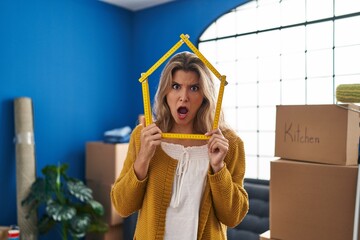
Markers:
<point>183,189</point>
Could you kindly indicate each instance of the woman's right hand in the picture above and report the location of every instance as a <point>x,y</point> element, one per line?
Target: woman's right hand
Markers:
<point>150,139</point>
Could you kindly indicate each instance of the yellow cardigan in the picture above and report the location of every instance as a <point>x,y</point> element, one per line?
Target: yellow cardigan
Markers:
<point>224,202</point>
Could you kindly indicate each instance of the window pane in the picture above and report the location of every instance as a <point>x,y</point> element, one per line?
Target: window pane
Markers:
<point>269,68</point>
<point>262,3</point>
<point>226,50</point>
<point>347,31</point>
<point>246,18</point>
<point>319,63</point>
<point>293,92</point>
<point>269,43</point>
<point>268,14</point>
<point>267,117</point>
<point>229,97</point>
<point>293,39</point>
<point>267,143</point>
<point>250,142</point>
<point>230,115</point>
<point>346,6</point>
<point>246,46</point>
<point>247,94</point>
<point>209,33</point>
<point>228,69</point>
<point>318,9</point>
<point>226,24</point>
<point>269,93</point>
<point>246,118</point>
<point>319,36</point>
<point>292,11</point>
<point>251,167</point>
<point>208,49</point>
<point>264,167</point>
<point>319,91</point>
<point>346,79</point>
<point>347,60</point>
<point>246,70</point>
<point>293,66</point>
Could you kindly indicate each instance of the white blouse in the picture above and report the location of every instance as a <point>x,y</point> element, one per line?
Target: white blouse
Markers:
<point>182,216</point>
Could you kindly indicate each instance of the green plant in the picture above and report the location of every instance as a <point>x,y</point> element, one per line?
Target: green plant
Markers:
<point>68,202</point>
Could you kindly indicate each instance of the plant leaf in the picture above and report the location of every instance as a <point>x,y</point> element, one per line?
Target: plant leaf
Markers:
<point>69,204</point>
<point>53,169</point>
<point>80,190</point>
<point>45,224</point>
<point>37,192</point>
<point>37,196</point>
<point>80,223</point>
<point>60,212</point>
<point>97,207</point>
<point>77,234</point>
<point>98,226</point>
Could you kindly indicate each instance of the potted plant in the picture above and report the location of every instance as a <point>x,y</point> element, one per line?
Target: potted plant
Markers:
<point>67,202</point>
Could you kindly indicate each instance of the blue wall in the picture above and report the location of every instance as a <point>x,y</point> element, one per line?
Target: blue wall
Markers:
<point>72,58</point>
<point>77,60</point>
<point>159,29</point>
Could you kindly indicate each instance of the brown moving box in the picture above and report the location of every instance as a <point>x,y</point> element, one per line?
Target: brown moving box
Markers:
<point>317,133</point>
<point>312,201</point>
<point>4,232</point>
<point>101,193</point>
<point>104,161</point>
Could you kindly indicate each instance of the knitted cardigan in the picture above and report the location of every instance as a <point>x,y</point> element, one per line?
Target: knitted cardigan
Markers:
<point>224,201</point>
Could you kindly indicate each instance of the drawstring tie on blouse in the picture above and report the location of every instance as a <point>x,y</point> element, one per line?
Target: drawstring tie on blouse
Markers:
<point>181,170</point>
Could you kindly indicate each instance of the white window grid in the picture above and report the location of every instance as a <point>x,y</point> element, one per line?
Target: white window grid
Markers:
<point>281,52</point>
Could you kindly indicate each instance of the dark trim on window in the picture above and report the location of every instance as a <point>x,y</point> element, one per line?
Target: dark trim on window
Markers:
<point>284,27</point>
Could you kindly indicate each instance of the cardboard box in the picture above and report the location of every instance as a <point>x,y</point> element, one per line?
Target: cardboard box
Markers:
<point>114,233</point>
<point>4,232</point>
<point>101,193</point>
<point>265,235</point>
<point>104,161</point>
<point>312,201</point>
<point>318,133</point>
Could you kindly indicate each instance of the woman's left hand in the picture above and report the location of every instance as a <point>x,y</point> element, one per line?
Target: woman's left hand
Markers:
<point>218,147</point>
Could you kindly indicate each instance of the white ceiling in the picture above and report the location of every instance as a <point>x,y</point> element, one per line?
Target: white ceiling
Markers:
<point>135,5</point>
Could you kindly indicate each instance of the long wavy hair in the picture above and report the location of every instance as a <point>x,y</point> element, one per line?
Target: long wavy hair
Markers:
<point>204,118</point>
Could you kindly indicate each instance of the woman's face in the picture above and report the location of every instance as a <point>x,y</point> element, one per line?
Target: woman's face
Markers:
<point>184,99</point>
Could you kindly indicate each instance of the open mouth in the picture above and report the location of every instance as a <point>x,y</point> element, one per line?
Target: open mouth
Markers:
<point>182,111</point>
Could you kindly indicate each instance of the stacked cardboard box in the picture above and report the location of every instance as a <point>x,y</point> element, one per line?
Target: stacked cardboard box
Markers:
<point>4,232</point>
<point>313,184</point>
<point>104,163</point>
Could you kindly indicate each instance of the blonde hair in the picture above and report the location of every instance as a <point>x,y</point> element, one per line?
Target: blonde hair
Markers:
<point>204,118</point>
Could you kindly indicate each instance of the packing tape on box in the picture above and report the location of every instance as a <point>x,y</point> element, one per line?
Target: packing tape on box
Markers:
<point>24,138</point>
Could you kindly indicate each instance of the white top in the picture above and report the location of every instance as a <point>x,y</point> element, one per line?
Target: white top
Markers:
<point>182,216</point>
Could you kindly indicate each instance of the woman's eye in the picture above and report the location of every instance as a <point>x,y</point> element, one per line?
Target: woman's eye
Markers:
<point>175,86</point>
<point>194,88</point>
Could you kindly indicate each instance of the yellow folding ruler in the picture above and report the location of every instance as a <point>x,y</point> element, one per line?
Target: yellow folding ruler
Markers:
<point>146,95</point>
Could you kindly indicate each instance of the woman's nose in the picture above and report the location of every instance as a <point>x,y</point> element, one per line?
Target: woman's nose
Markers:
<point>184,95</point>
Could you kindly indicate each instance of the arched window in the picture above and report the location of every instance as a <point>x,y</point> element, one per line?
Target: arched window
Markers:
<point>281,52</point>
